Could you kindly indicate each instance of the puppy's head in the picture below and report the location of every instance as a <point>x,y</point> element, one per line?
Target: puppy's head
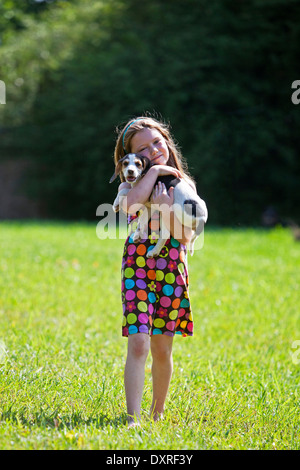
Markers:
<point>132,166</point>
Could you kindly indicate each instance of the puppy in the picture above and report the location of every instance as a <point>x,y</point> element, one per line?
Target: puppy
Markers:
<point>188,207</point>
<point>133,166</point>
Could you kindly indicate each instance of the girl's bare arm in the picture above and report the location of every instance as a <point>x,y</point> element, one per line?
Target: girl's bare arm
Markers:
<point>141,192</point>
<point>166,198</point>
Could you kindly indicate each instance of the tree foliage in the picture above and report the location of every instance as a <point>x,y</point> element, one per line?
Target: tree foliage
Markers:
<point>219,72</point>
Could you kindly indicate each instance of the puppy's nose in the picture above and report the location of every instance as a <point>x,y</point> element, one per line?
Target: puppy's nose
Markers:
<point>130,172</point>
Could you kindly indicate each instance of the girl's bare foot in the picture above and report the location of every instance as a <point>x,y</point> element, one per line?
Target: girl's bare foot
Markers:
<point>156,415</point>
<point>133,422</point>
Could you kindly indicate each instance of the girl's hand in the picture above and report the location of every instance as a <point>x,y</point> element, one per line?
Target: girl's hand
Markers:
<point>162,170</point>
<point>138,196</point>
<point>162,196</point>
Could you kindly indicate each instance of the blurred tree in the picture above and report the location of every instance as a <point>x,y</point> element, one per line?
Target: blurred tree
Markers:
<point>220,72</point>
<point>13,15</point>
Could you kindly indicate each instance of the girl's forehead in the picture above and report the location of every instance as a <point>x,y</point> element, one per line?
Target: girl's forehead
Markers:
<point>145,135</point>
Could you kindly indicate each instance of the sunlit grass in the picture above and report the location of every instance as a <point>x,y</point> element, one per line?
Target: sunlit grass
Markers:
<point>235,383</point>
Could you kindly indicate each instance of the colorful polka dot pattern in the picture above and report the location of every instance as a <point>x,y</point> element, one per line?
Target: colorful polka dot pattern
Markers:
<point>155,290</point>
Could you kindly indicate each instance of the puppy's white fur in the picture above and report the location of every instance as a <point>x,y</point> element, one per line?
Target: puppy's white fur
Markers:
<point>188,207</point>
<point>132,166</point>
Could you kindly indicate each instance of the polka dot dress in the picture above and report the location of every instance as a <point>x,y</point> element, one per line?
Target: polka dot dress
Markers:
<point>155,290</point>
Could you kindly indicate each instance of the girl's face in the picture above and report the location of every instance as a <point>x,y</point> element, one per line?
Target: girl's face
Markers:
<point>151,144</point>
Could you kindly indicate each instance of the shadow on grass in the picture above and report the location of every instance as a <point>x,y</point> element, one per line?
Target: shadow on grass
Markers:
<point>56,421</point>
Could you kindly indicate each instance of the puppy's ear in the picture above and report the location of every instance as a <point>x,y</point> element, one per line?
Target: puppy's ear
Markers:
<point>113,178</point>
<point>146,163</point>
<point>118,169</point>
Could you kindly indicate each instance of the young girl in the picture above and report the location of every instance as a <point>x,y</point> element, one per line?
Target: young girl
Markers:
<point>155,296</point>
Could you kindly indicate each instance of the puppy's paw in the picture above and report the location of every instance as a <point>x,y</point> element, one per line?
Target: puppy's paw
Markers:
<point>152,253</point>
<point>136,237</point>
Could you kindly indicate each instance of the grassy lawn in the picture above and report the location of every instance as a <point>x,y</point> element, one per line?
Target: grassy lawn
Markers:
<point>235,383</point>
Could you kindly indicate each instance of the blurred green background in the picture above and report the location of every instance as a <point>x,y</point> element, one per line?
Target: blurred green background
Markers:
<point>220,71</point>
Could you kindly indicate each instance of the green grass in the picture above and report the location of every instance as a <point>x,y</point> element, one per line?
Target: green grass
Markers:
<point>235,384</point>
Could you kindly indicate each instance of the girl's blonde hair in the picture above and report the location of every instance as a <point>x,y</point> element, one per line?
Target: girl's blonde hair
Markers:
<point>135,125</point>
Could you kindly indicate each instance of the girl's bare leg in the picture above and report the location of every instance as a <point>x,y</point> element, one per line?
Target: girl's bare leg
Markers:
<point>162,368</point>
<point>138,349</point>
